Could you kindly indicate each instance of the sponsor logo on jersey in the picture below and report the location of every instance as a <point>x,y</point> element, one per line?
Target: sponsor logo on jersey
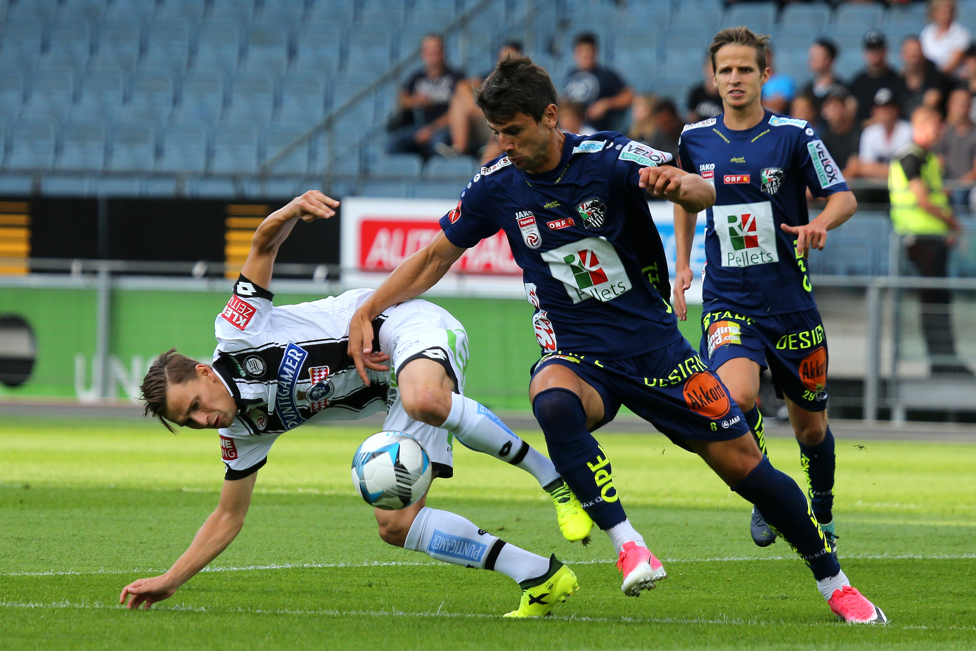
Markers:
<point>434,353</point>
<point>698,125</point>
<point>772,178</point>
<point>549,205</point>
<point>727,423</point>
<point>593,212</point>
<point>238,312</point>
<point>455,214</point>
<point>545,334</point>
<point>499,164</point>
<point>810,132</point>
<point>827,171</point>
<point>709,177</point>
<point>560,224</point>
<point>736,179</point>
<point>589,147</point>
<point>532,294</point>
<point>445,544</point>
<point>813,374</point>
<point>706,167</point>
<point>643,155</point>
<point>723,333</point>
<point>737,159</point>
<point>254,366</point>
<point>228,451</point>
<point>244,289</point>
<point>778,121</point>
<point>259,417</point>
<point>706,396</point>
<point>746,233</point>
<point>589,268</point>
<point>321,389</point>
<point>285,403</point>
<point>529,229</point>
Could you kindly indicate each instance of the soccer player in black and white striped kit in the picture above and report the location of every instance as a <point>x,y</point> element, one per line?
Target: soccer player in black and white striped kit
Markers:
<point>276,368</point>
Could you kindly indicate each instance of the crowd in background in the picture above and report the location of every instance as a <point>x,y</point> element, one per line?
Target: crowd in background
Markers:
<point>863,120</point>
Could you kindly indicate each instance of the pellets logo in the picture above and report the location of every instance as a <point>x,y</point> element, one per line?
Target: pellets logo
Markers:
<point>723,333</point>
<point>593,212</point>
<point>529,229</point>
<point>747,234</point>
<point>238,312</point>
<point>228,451</point>
<point>589,268</point>
<point>706,396</point>
<point>813,371</point>
<point>455,214</point>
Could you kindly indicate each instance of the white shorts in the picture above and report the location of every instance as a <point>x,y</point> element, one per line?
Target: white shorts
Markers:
<point>418,329</point>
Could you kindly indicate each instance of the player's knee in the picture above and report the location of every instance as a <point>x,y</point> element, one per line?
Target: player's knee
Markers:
<point>811,432</point>
<point>427,404</point>
<point>742,397</point>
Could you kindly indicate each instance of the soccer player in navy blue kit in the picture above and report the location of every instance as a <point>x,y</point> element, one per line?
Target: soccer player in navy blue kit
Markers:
<point>759,308</point>
<point>575,212</point>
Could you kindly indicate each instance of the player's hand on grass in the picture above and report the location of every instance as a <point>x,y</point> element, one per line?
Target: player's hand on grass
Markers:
<point>146,592</point>
<point>809,236</point>
<point>682,282</point>
<point>311,206</point>
<point>661,182</point>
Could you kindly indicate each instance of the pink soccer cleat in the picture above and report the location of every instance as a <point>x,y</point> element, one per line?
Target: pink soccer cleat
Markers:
<point>851,606</point>
<point>641,569</point>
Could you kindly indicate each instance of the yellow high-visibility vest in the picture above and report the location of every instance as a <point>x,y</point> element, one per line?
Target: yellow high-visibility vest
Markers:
<point>906,215</point>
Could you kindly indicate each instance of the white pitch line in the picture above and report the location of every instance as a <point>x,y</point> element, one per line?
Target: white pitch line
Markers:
<point>319,566</point>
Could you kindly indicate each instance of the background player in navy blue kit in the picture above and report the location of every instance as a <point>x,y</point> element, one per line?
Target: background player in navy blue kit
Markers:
<point>576,215</point>
<point>758,307</point>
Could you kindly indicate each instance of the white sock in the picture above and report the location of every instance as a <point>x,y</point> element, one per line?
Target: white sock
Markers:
<point>448,537</point>
<point>624,533</point>
<point>831,583</point>
<point>476,427</point>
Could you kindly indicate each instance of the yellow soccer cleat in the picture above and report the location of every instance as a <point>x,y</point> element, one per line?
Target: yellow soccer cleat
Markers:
<point>573,520</point>
<point>541,594</point>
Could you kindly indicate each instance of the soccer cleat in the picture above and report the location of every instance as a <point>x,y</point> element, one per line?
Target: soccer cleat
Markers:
<point>641,569</point>
<point>541,594</point>
<point>762,534</point>
<point>573,520</point>
<point>851,606</point>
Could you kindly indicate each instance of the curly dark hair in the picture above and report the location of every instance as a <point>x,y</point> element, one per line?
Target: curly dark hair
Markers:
<point>516,85</point>
<point>169,368</point>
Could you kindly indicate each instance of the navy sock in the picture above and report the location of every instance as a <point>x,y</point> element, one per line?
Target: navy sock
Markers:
<point>819,463</point>
<point>754,420</point>
<point>577,456</point>
<point>785,509</point>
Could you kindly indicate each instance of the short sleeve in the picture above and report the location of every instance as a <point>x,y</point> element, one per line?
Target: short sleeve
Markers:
<point>631,157</point>
<point>245,455</point>
<point>684,157</point>
<point>245,319</point>
<point>911,164</point>
<point>823,175</point>
<point>469,223</point>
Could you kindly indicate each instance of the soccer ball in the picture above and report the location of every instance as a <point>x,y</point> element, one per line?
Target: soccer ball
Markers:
<point>391,470</point>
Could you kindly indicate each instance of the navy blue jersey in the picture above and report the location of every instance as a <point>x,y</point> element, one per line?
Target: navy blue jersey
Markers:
<point>760,177</point>
<point>591,257</point>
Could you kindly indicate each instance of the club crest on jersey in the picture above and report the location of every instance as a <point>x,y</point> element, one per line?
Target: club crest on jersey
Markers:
<point>321,390</point>
<point>259,417</point>
<point>255,366</point>
<point>529,229</point>
<point>285,399</point>
<point>593,212</point>
<point>772,178</point>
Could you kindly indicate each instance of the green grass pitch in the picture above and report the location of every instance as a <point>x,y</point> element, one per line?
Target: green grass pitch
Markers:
<point>87,507</point>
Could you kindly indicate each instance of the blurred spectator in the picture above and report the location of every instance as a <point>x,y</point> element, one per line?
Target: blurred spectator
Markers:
<point>886,134</point>
<point>840,133</point>
<point>605,95</point>
<point>920,212</point>
<point>957,149</point>
<point>667,128</point>
<point>804,107</point>
<point>924,83</point>
<point>944,40</point>
<point>779,90</point>
<point>642,124</point>
<point>875,76</point>
<point>967,72</point>
<point>703,100</point>
<point>572,118</point>
<point>469,129</point>
<point>424,99</point>
<point>820,59</point>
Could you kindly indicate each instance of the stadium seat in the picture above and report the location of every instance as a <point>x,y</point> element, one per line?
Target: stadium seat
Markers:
<point>380,12</point>
<point>913,14</point>
<point>82,11</point>
<point>638,68</point>
<point>757,16</point>
<point>239,12</point>
<point>71,38</point>
<point>369,47</point>
<point>31,146</point>
<point>82,147</point>
<point>266,48</point>
<point>404,166</point>
<point>279,136</point>
<point>119,39</point>
<point>318,49</point>
<point>857,15</point>
<point>811,17</point>
<point>436,190</point>
<point>120,63</point>
<point>16,185</point>
<point>460,168</point>
<point>51,95</point>
<point>436,13</point>
<point>302,99</point>
<point>343,158</point>
<point>277,187</point>
<point>133,148</point>
<point>688,39</point>
<point>117,186</point>
<point>184,148</point>
<point>101,96</point>
<point>795,64</point>
<point>289,12</point>
<point>61,60</point>
<point>202,96</point>
<point>167,46</point>
<point>218,47</point>
<point>382,189</point>
<point>138,11</point>
<point>11,93</point>
<point>161,186</point>
<point>205,187</point>
<point>794,38</point>
<point>57,185</point>
<point>187,11</point>
<point>35,11</point>
<point>235,149</point>
<point>331,12</point>
<point>23,38</point>
<point>151,97</point>
<point>251,99</point>
<point>699,17</point>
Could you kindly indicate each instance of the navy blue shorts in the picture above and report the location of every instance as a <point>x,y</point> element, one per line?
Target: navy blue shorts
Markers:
<point>793,346</point>
<point>671,388</point>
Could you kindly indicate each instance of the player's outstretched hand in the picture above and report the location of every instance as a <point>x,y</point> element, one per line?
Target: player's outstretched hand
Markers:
<point>146,592</point>
<point>312,205</point>
<point>661,181</point>
<point>682,282</point>
<point>809,236</point>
